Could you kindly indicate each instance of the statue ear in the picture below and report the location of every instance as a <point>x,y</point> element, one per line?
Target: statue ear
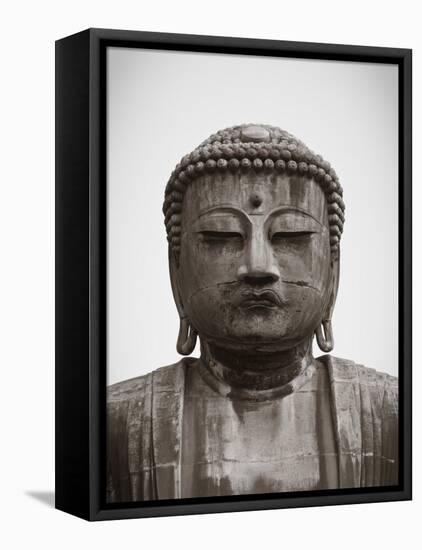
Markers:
<point>174,280</point>
<point>186,339</point>
<point>335,275</point>
<point>324,331</point>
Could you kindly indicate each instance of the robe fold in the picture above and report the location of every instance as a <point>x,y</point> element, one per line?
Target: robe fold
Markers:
<point>145,425</point>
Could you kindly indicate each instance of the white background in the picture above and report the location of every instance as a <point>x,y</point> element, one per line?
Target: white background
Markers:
<point>161,105</point>
<point>27,275</point>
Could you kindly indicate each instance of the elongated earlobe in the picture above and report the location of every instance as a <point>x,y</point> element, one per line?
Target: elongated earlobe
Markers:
<point>324,336</point>
<point>186,340</point>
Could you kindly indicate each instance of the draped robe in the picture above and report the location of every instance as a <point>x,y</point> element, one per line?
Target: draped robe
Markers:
<point>145,424</point>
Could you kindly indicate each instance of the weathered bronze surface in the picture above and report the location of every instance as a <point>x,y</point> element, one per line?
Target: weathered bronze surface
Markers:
<point>254,220</point>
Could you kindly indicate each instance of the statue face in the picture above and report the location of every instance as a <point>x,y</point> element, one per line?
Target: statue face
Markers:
<point>255,266</point>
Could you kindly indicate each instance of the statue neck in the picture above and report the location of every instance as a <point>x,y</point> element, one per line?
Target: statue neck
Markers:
<point>259,376</point>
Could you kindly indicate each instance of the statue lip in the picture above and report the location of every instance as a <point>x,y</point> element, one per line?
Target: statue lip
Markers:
<point>266,298</point>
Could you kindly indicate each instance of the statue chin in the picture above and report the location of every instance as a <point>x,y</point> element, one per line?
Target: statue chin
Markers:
<point>257,326</point>
<point>257,335</point>
<point>251,343</point>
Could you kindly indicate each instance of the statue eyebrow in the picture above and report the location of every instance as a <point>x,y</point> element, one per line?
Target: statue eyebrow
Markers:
<point>291,209</point>
<point>224,209</point>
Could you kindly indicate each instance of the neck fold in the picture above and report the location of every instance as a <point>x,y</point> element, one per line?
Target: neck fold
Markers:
<point>260,376</point>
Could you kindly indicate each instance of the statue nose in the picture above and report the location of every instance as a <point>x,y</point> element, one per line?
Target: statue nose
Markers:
<point>258,266</point>
<point>256,277</point>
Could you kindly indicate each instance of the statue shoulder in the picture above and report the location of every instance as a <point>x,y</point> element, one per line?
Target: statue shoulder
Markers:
<point>365,405</point>
<point>133,407</point>
<point>134,389</point>
<point>351,368</point>
<point>128,389</point>
<point>344,371</point>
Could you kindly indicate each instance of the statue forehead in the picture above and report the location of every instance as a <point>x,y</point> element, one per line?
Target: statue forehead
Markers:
<point>254,194</point>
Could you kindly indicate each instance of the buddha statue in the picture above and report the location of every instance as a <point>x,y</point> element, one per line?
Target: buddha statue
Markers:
<point>254,220</point>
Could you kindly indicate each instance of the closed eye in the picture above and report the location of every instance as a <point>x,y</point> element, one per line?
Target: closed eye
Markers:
<point>279,235</point>
<point>220,236</point>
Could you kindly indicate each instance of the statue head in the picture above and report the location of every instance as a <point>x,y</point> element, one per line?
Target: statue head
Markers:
<point>254,220</point>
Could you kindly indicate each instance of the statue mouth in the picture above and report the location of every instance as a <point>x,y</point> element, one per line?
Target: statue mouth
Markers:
<point>265,298</point>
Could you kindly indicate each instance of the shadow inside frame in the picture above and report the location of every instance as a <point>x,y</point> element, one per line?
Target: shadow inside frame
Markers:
<point>252,497</point>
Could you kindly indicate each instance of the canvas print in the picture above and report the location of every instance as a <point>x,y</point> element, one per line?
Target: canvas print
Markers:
<point>252,334</point>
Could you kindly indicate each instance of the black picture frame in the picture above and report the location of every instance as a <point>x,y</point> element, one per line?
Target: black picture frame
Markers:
<point>81,272</point>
